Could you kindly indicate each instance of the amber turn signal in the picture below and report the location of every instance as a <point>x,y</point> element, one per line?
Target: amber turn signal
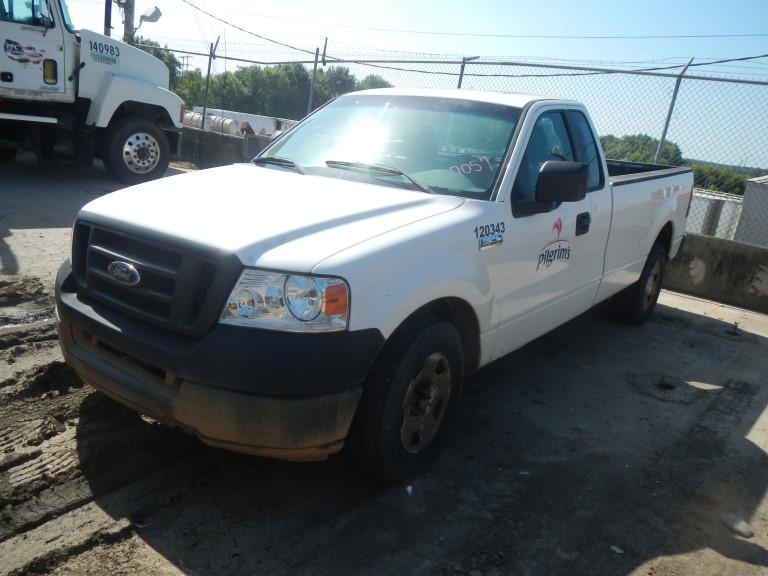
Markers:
<point>336,300</point>
<point>50,71</point>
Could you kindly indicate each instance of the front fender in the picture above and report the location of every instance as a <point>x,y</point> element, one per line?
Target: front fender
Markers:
<point>394,275</point>
<point>114,91</point>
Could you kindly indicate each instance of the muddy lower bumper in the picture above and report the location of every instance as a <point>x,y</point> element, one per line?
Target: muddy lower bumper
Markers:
<point>281,395</point>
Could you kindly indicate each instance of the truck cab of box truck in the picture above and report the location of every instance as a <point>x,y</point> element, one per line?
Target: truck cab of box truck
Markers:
<point>81,95</point>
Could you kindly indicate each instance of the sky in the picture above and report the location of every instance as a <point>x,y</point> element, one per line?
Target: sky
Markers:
<point>306,23</point>
<point>712,121</point>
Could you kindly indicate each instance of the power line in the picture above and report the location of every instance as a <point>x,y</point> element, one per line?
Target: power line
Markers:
<point>247,31</point>
<point>486,35</point>
<point>415,70</point>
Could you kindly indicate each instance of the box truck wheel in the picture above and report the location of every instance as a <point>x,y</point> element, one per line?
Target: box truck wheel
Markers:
<point>410,397</point>
<point>136,150</point>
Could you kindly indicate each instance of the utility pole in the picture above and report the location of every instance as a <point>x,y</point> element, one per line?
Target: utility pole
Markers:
<point>128,9</point>
<point>107,17</point>
<point>211,58</point>
<point>669,112</point>
<point>463,64</point>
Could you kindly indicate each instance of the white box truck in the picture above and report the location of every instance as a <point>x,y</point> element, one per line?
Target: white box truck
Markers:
<point>78,94</point>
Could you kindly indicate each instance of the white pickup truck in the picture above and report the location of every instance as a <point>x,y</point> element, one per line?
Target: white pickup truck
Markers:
<point>75,94</point>
<point>339,287</point>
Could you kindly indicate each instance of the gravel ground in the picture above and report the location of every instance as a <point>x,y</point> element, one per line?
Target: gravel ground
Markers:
<point>597,449</point>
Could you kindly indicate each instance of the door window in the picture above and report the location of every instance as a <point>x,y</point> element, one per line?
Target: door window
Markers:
<point>549,141</point>
<point>586,149</point>
<point>33,13</point>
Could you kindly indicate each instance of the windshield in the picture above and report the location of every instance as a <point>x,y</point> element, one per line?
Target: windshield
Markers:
<point>65,16</point>
<point>442,145</point>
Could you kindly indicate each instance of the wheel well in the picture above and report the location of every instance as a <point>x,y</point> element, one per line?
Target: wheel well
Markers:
<point>459,313</point>
<point>665,237</point>
<point>155,114</point>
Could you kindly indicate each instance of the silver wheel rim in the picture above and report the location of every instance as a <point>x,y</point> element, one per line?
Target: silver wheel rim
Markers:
<point>425,403</point>
<point>652,286</point>
<point>141,153</point>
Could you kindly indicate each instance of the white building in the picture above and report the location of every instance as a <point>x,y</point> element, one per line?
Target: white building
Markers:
<point>753,224</point>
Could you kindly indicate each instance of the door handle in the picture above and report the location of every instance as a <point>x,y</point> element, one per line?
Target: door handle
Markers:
<point>583,221</point>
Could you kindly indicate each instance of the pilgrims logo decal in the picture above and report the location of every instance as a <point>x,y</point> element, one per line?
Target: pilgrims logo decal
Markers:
<point>556,251</point>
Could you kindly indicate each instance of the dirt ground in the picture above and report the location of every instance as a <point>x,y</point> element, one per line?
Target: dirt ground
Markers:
<point>598,449</point>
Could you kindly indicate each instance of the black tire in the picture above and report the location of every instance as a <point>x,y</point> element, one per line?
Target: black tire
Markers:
<point>635,304</point>
<point>136,150</point>
<point>412,367</point>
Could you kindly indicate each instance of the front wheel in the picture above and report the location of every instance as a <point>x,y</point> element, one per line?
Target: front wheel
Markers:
<point>635,304</point>
<point>411,396</point>
<point>136,150</point>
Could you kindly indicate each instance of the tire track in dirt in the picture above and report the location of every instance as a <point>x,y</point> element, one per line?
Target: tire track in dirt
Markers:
<point>62,446</point>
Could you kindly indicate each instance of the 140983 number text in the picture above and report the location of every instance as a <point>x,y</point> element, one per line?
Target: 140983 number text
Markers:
<point>104,48</point>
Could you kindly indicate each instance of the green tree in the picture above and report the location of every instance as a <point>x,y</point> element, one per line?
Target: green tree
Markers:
<point>718,177</point>
<point>372,81</point>
<point>640,148</point>
<point>191,87</point>
<point>285,91</point>
<point>165,56</point>
<point>334,81</point>
<point>227,92</point>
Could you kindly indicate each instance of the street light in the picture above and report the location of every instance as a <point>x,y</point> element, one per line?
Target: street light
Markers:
<point>151,15</point>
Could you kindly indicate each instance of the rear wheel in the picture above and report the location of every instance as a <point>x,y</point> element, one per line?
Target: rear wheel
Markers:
<point>635,304</point>
<point>136,150</point>
<point>408,402</point>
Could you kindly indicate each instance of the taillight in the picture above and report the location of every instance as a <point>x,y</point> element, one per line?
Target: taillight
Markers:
<point>690,200</point>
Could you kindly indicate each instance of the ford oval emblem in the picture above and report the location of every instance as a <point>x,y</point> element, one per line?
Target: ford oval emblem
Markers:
<point>124,273</point>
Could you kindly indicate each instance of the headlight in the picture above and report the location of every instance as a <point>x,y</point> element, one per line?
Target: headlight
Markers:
<point>290,302</point>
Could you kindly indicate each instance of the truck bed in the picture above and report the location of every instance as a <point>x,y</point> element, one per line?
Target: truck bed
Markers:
<point>624,172</point>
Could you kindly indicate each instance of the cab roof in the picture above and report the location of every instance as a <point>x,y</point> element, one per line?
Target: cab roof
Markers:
<point>503,98</point>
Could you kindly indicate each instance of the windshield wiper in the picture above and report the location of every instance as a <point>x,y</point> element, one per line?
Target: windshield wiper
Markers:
<point>380,168</point>
<point>279,161</point>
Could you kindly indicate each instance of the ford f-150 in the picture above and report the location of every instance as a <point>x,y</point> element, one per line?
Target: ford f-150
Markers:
<point>335,291</point>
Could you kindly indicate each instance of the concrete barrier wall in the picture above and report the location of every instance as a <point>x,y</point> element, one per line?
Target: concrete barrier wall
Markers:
<point>721,270</point>
<point>208,149</point>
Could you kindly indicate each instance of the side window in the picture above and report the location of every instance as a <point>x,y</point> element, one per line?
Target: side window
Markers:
<point>31,12</point>
<point>549,141</point>
<point>586,149</point>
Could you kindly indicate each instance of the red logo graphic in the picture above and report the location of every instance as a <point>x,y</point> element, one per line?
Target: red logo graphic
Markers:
<point>558,227</point>
<point>556,250</point>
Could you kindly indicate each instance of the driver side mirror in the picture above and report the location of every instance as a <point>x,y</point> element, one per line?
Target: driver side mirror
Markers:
<point>561,181</point>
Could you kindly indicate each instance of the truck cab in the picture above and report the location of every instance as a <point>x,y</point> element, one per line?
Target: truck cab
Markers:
<point>81,95</point>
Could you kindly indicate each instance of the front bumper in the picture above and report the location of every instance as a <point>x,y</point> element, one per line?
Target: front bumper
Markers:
<point>282,395</point>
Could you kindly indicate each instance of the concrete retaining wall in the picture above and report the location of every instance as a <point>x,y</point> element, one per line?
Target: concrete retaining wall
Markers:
<point>208,149</point>
<point>721,270</point>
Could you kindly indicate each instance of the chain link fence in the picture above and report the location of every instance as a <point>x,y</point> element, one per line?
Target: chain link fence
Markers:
<point>677,115</point>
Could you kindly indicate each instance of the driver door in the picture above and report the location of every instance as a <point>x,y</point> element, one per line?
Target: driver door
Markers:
<point>32,58</point>
<point>534,287</point>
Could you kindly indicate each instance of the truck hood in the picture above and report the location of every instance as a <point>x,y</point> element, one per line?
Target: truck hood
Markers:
<point>125,61</point>
<point>269,218</point>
